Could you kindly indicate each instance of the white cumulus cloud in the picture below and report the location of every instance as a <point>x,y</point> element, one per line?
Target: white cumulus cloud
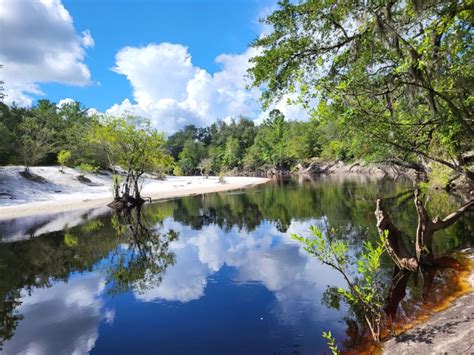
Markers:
<point>39,44</point>
<point>157,71</point>
<point>171,91</point>
<point>62,319</point>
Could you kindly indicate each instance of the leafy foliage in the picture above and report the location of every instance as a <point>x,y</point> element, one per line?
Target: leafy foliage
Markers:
<point>87,168</point>
<point>35,135</point>
<point>63,157</point>
<point>365,292</point>
<point>240,145</point>
<point>331,342</point>
<point>131,143</point>
<point>34,142</point>
<point>398,73</point>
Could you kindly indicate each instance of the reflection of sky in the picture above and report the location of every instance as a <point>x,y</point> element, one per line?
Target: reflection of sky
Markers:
<point>34,226</point>
<point>265,255</point>
<point>228,292</point>
<point>62,319</point>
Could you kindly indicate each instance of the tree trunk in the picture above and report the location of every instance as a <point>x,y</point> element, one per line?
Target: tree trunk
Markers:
<point>423,253</point>
<point>396,248</point>
<point>427,227</point>
<point>130,196</point>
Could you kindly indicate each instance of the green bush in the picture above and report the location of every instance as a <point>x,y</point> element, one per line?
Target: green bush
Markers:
<point>364,293</point>
<point>177,171</point>
<point>334,150</point>
<point>87,168</point>
<point>64,156</point>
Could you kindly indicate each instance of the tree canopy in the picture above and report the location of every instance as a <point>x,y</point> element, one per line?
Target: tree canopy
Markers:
<point>398,74</point>
<point>131,143</point>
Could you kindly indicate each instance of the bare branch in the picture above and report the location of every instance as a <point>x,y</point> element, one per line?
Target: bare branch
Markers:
<point>453,217</point>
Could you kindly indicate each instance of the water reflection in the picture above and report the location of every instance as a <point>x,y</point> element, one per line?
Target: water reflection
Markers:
<point>142,257</point>
<point>266,256</point>
<point>62,319</point>
<point>180,274</point>
<point>30,227</point>
<point>430,285</point>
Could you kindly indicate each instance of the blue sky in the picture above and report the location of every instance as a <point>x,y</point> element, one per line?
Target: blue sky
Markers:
<point>207,27</point>
<point>175,62</point>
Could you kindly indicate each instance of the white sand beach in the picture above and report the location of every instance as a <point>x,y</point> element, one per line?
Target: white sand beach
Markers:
<point>63,191</point>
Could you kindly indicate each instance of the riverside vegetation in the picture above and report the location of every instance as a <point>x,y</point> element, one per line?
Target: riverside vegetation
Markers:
<point>397,77</point>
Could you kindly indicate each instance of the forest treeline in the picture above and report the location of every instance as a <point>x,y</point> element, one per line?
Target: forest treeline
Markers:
<point>48,134</point>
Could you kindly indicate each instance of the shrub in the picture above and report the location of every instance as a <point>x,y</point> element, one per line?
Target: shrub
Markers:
<point>177,171</point>
<point>64,156</point>
<point>334,150</point>
<point>87,168</point>
<point>364,293</point>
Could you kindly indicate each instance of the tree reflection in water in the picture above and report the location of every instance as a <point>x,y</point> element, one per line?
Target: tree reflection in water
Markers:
<point>142,257</point>
<point>132,240</point>
<point>8,317</point>
<point>430,285</point>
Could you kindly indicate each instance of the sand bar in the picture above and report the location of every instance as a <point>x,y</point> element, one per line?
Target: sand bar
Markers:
<point>64,192</point>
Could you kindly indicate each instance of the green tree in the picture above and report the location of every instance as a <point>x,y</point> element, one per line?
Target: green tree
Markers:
<point>7,143</point>
<point>34,143</point>
<point>401,71</point>
<point>271,143</point>
<point>303,140</point>
<point>67,127</point>
<point>64,156</point>
<point>233,153</point>
<point>131,143</point>
<point>76,123</point>
<point>176,142</point>
<point>189,158</point>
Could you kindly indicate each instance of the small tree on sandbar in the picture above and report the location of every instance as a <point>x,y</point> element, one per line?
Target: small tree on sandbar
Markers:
<point>131,143</point>
<point>34,142</point>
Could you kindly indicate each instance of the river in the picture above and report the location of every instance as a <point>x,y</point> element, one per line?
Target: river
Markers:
<point>208,274</point>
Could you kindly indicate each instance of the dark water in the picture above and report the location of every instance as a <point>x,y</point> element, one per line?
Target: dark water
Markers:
<point>211,274</point>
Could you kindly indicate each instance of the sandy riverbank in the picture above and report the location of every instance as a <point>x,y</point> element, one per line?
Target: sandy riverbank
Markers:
<point>63,191</point>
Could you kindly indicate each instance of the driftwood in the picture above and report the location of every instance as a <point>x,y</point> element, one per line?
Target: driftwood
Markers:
<point>412,259</point>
